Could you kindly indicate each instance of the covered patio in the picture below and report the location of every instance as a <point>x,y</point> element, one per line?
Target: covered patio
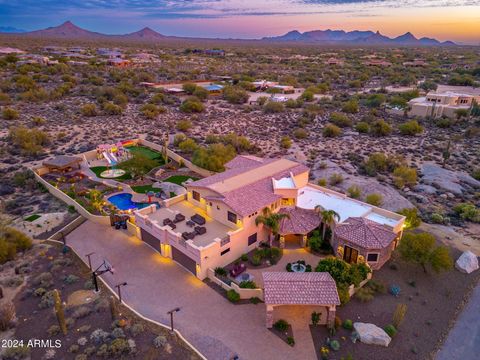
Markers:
<point>299,223</point>
<point>316,290</point>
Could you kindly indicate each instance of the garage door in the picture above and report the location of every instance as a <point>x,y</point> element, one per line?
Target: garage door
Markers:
<point>150,239</point>
<point>184,260</point>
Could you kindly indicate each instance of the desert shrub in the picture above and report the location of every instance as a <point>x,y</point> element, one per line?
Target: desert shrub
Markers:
<point>136,329</point>
<point>364,294</point>
<point>89,110</point>
<point>467,211</point>
<point>214,156</point>
<point>119,347</point>
<point>335,179</point>
<point>300,133</point>
<point>188,146</point>
<point>89,285</point>
<point>53,330</point>
<point>354,191</point>
<point>281,325</point>
<point>411,127</point>
<point>99,336</point>
<point>340,120</point>
<point>44,280</point>
<point>351,106</point>
<point>272,107</point>
<point>404,175</point>
<point>390,330</point>
<point>160,342</point>
<point>376,162</point>
<point>376,286</point>
<point>192,105</point>
<point>74,348</point>
<point>374,199</point>
<point>334,345</point>
<point>380,128</point>
<point>150,111</point>
<point>47,300</point>
<point>39,292</point>
<point>343,293</point>
<point>315,241</point>
<point>322,182</point>
<point>7,315</point>
<point>81,357</point>
<point>362,127</point>
<point>394,290</point>
<point>255,300</point>
<point>331,130</point>
<point>10,114</point>
<point>16,353</point>
<point>437,218</point>
<point>235,95</point>
<point>13,281</point>
<point>81,312</point>
<point>112,109</point>
<point>290,341</point>
<point>256,259</point>
<point>70,279</point>
<point>220,271</point>
<point>248,285</point>
<point>118,333</point>
<point>184,125</point>
<point>285,142</point>
<point>347,324</point>
<point>444,123</point>
<point>233,296</point>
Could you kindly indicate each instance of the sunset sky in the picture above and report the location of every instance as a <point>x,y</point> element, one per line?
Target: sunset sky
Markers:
<point>457,20</point>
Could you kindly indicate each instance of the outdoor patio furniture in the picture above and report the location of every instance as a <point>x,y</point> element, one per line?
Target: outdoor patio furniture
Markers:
<point>237,270</point>
<point>190,223</point>
<point>166,221</point>
<point>188,235</point>
<point>200,230</point>
<point>172,225</point>
<point>200,220</point>
<point>179,218</point>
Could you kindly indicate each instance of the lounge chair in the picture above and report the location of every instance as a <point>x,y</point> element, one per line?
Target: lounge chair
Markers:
<point>200,230</point>
<point>179,218</point>
<point>200,220</point>
<point>190,223</point>
<point>188,235</point>
<point>167,221</point>
<point>237,270</point>
<point>172,225</point>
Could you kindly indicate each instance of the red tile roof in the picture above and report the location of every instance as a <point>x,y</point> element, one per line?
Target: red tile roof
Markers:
<point>365,233</point>
<point>301,221</point>
<point>286,288</point>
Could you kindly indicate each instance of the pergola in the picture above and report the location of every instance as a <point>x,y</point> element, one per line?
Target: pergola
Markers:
<point>307,289</point>
<point>62,162</point>
<point>299,222</point>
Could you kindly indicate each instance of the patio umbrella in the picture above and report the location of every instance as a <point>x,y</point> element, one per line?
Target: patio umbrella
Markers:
<point>150,194</point>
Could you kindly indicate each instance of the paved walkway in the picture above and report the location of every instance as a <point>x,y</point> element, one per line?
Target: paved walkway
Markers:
<point>463,342</point>
<point>156,285</point>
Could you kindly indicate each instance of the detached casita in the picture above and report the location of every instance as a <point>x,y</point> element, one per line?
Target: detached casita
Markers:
<point>214,223</point>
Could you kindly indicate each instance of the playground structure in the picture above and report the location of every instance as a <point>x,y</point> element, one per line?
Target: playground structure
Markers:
<point>113,154</point>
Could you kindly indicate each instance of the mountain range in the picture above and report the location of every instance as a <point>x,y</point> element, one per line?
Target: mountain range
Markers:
<point>356,37</point>
<point>68,30</point>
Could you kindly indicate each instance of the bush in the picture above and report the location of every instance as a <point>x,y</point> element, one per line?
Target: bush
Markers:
<point>255,300</point>
<point>70,279</point>
<point>47,300</point>
<point>233,296</point>
<point>376,162</point>
<point>150,111</point>
<point>99,336</point>
<point>7,315</point>
<point>220,271</point>
<point>335,179</point>
<point>285,142</point>
<point>395,290</point>
<point>404,175</point>
<point>137,329</point>
<point>300,133</point>
<point>410,128</point>
<point>10,114</point>
<point>184,125</point>
<point>81,312</point>
<point>331,131</point>
<point>390,330</point>
<point>467,211</point>
<point>272,107</point>
<point>376,286</point>
<point>44,280</point>
<point>412,219</point>
<point>256,259</point>
<point>354,191</point>
<point>192,105</point>
<point>160,342</point>
<point>112,109</point>
<point>364,294</point>
<point>16,353</point>
<point>437,218</point>
<point>249,284</point>
<point>347,324</point>
<point>235,95</point>
<point>89,110</point>
<point>341,120</point>
<point>119,347</point>
<point>334,345</point>
<point>315,318</point>
<point>374,199</point>
<point>53,330</point>
<point>380,128</point>
<point>351,106</point>
<point>281,325</point>
<point>362,127</point>
<point>399,315</point>
<point>290,341</point>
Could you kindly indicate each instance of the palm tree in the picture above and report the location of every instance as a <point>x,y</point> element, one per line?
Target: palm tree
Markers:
<point>271,220</point>
<point>329,217</point>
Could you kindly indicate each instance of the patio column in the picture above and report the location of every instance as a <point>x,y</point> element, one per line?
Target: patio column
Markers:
<point>282,241</point>
<point>331,310</point>
<point>269,316</point>
<point>304,240</point>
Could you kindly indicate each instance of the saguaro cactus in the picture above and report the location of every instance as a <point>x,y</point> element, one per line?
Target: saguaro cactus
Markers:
<point>59,311</point>
<point>113,308</point>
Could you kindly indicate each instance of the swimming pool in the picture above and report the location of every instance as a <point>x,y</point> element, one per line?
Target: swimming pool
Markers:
<point>124,202</point>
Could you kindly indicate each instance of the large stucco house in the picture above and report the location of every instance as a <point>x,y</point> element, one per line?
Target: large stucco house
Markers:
<point>441,104</point>
<point>214,223</point>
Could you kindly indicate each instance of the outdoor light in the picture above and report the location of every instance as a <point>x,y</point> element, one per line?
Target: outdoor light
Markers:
<point>171,316</point>
<point>118,290</point>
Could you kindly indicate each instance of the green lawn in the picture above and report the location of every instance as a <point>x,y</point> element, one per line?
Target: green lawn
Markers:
<point>179,179</point>
<point>33,217</point>
<point>143,189</point>
<point>151,154</point>
<point>99,169</point>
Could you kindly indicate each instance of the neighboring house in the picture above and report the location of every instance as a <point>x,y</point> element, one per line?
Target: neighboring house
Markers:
<point>440,104</point>
<point>334,61</point>
<point>213,89</point>
<point>378,62</point>
<point>229,202</point>
<point>415,63</point>
<point>118,62</point>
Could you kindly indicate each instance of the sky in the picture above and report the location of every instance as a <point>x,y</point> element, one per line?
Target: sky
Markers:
<point>456,20</point>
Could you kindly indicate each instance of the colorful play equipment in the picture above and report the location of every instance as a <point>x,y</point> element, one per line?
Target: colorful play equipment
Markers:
<point>114,153</point>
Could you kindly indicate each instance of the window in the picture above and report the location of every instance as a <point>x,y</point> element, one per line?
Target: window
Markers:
<point>196,195</point>
<point>232,217</point>
<point>372,257</point>
<point>225,251</point>
<point>252,239</point>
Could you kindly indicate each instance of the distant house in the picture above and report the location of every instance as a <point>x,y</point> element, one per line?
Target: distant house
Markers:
<point>378,62</point>
<point>213,88</point>
<point>110,53</point>
<point>335,62</point>
<point>441,104</point>
<point>117,62</point>
<point>415,63</point>
<point>214,52</point>
<point>9,50</point>
<point>261,85</point>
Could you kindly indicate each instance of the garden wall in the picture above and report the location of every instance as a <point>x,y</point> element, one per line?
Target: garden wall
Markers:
<point>244,293</point>
<point>174,156</point>
<point>104,220</point>
<point>67,229</point>
<point>352,289</point>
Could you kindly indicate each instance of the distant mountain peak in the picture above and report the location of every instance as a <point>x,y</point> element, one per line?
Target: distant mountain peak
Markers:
<point>145,34</point>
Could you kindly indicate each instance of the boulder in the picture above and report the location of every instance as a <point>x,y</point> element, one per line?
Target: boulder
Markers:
<point>467,262</point>
<point>371,334</point>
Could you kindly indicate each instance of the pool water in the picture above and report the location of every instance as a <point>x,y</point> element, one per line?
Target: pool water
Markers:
<point>124,202</point>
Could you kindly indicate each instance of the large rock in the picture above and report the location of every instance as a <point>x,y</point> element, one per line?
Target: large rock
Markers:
<point>467,262</point>
<point>455,182</point>
<point>372,334</point>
